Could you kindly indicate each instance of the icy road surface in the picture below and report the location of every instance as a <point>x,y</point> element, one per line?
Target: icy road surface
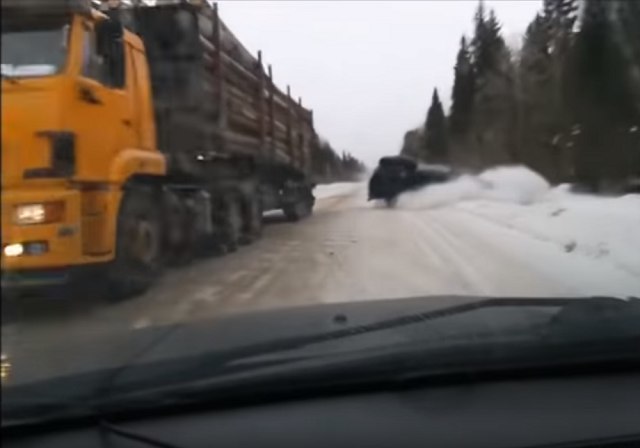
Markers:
<point>503,233</point>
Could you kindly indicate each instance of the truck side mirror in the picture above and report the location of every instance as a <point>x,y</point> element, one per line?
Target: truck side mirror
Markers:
<point>110,45</point>
<point>108,33</point>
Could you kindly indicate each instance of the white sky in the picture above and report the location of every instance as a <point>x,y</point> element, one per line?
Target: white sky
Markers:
<point>366,68</point>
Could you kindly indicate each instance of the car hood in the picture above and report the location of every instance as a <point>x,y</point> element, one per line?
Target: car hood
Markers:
<point>306,332</point>
<point>29,360</point>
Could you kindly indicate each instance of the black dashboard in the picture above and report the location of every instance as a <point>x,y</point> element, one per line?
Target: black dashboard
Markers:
<point>588,410</point>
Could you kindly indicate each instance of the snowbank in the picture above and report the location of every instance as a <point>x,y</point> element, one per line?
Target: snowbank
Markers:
<point>517,199</point>
<point>521,200</point>
<point>602,228</point>
<point>514,184</point>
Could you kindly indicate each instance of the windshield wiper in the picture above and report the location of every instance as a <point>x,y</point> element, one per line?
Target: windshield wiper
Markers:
<point>107,427</point>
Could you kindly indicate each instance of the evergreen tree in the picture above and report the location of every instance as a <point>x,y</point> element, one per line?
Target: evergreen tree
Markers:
<point>538,121</point>
<point>479,49</point>
<point>493,48</point>
<point>494,118</point>
<point>603,101</point>
<point>567,103</point>
<point>463,91</point>
<point>535,57</point>
<point>560,17</point>
<point>494,40</point>
<point>487,44</point>
<point>625,17</point>
<point>627,22</point>
<point>436,131</point>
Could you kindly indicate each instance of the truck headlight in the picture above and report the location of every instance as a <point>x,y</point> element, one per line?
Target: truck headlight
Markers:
<point>48,212</point>
<point>13,250</point>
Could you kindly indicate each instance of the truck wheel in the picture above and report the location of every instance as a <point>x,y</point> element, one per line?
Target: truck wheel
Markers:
<point>138,245</point>
<point>252,220</point>
<point>297,210</point>
<point>311,202</point>
<point>232,225</point>
<point>302,208</point>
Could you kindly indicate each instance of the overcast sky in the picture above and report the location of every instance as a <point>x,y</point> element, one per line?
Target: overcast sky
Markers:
<point>366,68</point>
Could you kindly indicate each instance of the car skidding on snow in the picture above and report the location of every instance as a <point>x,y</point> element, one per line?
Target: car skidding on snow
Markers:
<point>397,174</point>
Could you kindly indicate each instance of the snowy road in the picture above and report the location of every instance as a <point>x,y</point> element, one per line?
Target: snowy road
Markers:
<point>445,242</point>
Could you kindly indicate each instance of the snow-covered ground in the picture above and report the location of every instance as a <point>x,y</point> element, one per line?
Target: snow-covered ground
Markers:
<point>516,209</point>
<point>605,228</point>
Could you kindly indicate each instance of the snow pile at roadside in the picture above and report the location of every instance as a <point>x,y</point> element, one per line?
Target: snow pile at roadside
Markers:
<point>515,184</point>
<point>336,189</point>
<point>596,227</point>
<point>521,200</point>
<point>601,228</point>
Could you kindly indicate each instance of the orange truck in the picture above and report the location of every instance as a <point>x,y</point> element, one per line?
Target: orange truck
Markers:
<point>138,136</point>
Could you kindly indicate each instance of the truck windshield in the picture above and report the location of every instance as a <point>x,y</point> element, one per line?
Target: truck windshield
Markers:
<point>34,52</point>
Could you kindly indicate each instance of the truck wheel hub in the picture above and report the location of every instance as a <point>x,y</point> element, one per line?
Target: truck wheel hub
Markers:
<point>144,245</point>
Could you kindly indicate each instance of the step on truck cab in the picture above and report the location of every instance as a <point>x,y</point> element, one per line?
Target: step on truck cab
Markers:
<point>136,137</point>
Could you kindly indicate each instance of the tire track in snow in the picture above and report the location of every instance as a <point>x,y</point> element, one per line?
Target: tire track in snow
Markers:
<point>509,270</point>
<point>450,252</point>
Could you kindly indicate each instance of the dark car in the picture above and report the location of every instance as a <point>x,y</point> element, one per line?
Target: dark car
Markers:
<point>396,174</point>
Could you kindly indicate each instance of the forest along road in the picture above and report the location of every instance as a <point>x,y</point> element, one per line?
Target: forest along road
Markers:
<point>350,250</point>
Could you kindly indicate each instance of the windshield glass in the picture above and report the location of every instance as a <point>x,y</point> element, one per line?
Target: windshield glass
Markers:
<point>216,190</point>
<point>38,51</point>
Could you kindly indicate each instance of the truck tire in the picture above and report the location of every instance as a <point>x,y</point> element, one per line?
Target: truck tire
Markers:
<point>139,243</point>
<point>180,245</point>
<point>232,223</point>
<point>300,209</point>
<point>251,219</point>
<point>296,211</point>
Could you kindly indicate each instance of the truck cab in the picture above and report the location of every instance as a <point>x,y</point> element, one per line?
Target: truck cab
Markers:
<point>77,125</point>
<point>127,148</point>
